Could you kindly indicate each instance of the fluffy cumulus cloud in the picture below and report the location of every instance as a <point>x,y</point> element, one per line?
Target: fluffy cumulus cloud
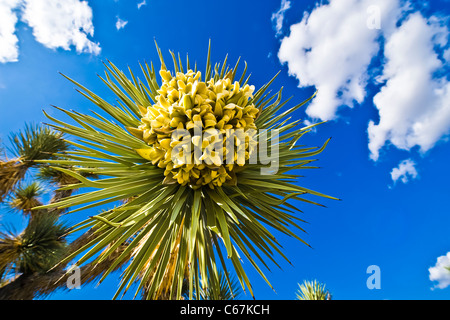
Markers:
<point>61,24</point>
<point>440,273</point>
<point>333,47</point>
<point>405,170</point>
<point>9,50</point>
<point>55,24</point>
<point>414,104</point>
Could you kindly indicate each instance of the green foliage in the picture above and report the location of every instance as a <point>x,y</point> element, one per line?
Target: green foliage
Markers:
<point>227,291</point>
<point>42,243</point>
<point>37,142</point>
<point>37,249</point>
<point>312,290</point>
<point>24,198</point>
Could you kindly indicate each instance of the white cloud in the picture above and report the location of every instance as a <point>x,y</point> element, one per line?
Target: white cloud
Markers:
<point>61,24</point>
<point>439,272</point>
<point>9,50</point>
<point>55,24</point>
<point>278,17</point>
<point>405,170</point>
<point>333,46</point>
<point>142,3</point>
<point>413,105</point>
<point>331,49</point>
<point>120,24</point>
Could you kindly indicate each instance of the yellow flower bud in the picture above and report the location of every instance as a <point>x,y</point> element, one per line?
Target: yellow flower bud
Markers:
<point>165,75</point>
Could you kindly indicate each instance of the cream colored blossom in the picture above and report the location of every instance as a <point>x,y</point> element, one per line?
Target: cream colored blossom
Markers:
<point>215,109</point>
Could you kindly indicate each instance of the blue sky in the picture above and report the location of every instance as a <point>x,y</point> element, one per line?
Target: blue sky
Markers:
<point>382,71</point>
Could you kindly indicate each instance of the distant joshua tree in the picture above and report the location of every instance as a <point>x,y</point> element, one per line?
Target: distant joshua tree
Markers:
<point>27,256</point>
<point>312,290</point>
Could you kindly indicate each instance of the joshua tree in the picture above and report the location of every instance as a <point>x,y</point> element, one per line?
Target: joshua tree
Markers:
<point>312,290</point>
<point>180,218</point>
<point>26,257</point>
<point>42,243</point>
<point>35,250</point>
<point>28,147</point>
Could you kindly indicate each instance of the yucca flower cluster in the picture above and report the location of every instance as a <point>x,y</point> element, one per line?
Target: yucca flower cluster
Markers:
<point>186,105</point>
<point>181,211</point>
